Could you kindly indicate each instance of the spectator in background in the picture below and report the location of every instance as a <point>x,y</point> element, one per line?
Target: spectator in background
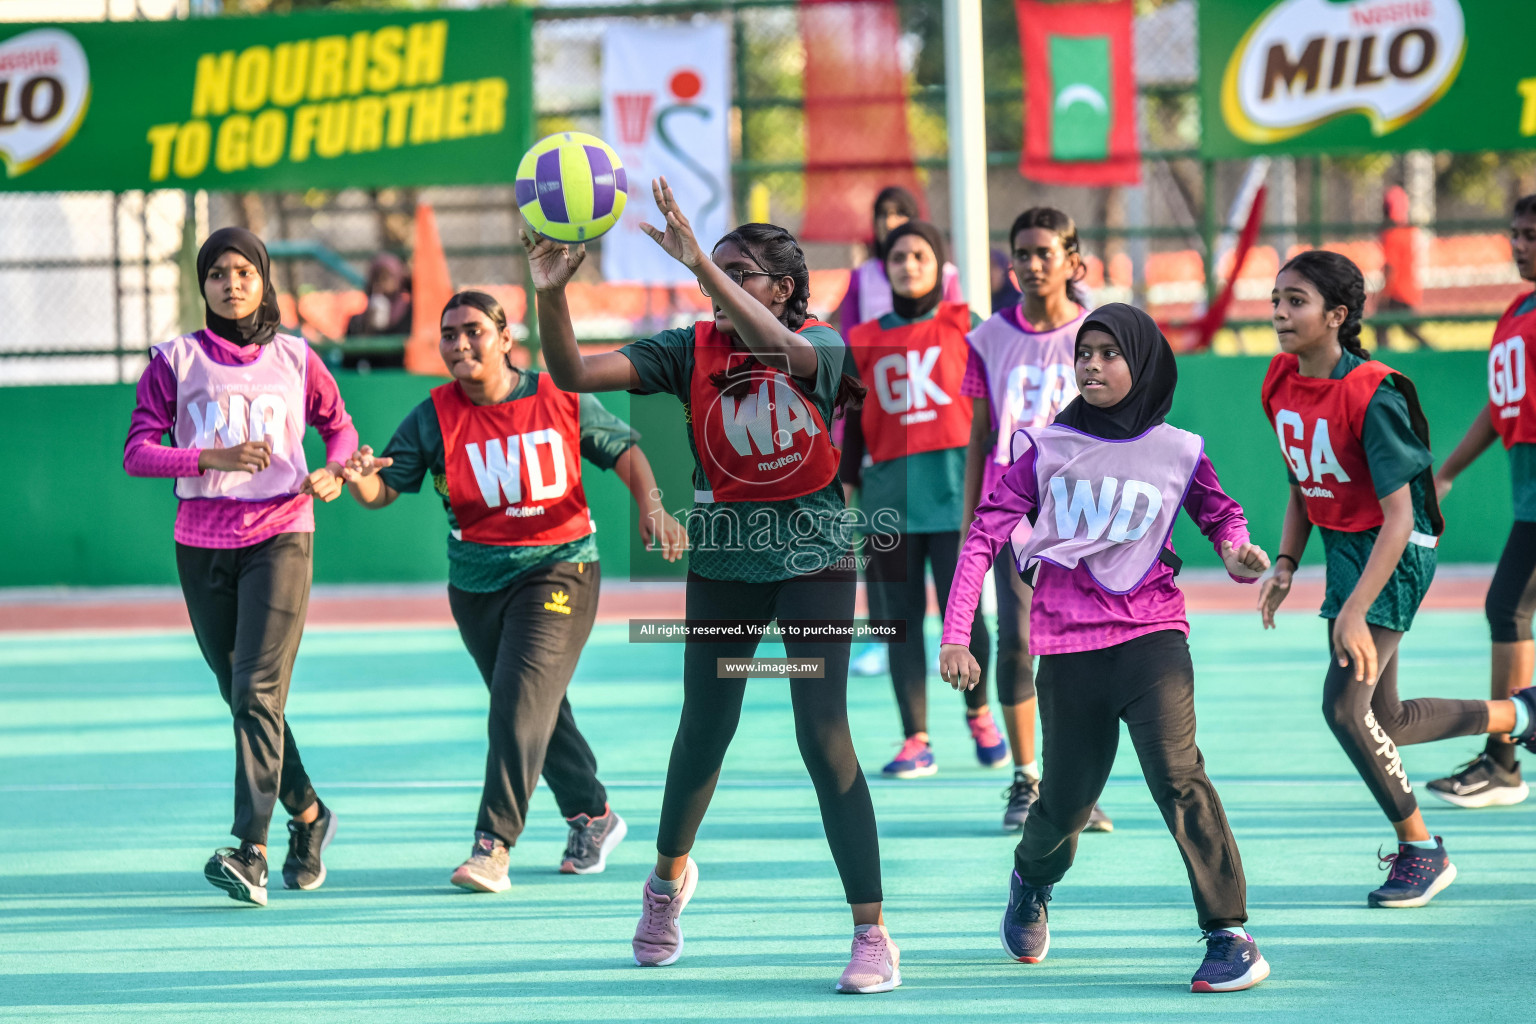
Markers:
<point>1401,289</point>
<point>869,292</point>
<point>1005,294</point>
<point>389,299</point>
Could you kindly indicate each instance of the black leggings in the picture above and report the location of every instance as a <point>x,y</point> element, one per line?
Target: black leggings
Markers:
<point>526,642</point>
<point>1015,667</point>
<point>898,589</point>
<point>1512,594</point>
<point>247,607</point>
<point>1370,722</point>
<point>1149,683</point>
<point>712,710</point>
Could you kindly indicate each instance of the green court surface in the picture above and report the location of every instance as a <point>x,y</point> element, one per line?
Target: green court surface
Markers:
<point>115,768</point>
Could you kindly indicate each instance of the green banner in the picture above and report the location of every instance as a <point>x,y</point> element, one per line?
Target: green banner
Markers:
<point>1341,76</point>
<point>328,100</point>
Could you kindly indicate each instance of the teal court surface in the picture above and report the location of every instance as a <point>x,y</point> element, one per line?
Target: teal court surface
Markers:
<point>115,782</point>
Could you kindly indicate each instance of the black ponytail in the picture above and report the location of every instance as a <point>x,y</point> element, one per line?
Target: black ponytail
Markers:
<point>777,252</point>
<point>1340,283</point>
<point>1065,228</point>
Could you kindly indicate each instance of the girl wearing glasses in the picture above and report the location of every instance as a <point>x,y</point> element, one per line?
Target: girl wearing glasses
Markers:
<point>768,541</point>
<point>914,430</point>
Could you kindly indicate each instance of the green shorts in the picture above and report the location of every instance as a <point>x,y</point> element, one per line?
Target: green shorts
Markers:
<point>1398,601</point>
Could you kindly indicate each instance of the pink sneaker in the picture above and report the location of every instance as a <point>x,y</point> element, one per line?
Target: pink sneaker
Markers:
<point>658,940</point>
<point>876,963</point>
<point>991,748</point>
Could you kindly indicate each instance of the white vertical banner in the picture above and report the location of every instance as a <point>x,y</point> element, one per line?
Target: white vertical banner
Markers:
<point>666,110</point>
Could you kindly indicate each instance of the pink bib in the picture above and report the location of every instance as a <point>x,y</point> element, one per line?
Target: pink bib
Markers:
<point>1107,504</point>
<point>220,406</point>
<point>1030,375</point>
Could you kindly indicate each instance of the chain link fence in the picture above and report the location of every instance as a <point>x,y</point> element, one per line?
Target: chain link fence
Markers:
<point>89,280</point>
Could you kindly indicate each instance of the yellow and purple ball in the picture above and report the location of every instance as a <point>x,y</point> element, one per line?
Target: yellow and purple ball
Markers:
<point>571,187</point>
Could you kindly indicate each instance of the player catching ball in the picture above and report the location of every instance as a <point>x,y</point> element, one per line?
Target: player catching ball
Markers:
<point>768,540</point>
<point>1356,445</point>
<point>503,447</point>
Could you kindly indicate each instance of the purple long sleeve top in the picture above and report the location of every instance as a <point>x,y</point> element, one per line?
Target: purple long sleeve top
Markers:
<point>1070,612</point>
<point>227,522</point>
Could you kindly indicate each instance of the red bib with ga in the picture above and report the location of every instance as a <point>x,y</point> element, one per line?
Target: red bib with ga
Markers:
<point>514,468</point>
<point>768,445</point>
<point>1319,423</point>
<point>913,373</point>
<point>1511,401</point>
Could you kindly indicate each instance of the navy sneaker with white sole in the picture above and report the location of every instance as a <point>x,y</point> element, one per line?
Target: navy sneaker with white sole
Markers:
<point>1232,963</point>
<point>1417,875</point>
<point>242,873</point>
<point>303,868</point>
<point>1025,930</point>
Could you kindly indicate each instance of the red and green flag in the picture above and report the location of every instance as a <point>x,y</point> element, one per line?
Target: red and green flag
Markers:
<point>1079,93</point>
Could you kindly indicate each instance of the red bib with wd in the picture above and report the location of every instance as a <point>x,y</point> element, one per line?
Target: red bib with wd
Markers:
<point>1318,421</point>
<point>770,444</point>
<point>1511,402</point>
<point>913,373</point>
<point>514,468</point>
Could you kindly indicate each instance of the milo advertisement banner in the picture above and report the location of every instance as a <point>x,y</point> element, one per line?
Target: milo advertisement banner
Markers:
<point>1336,76</point>
<point>305,101</point>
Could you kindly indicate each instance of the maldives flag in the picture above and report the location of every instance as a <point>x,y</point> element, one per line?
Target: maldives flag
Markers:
<point>1079,93</point>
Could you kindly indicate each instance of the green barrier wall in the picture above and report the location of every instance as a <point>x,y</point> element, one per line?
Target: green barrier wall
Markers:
<point>74,518</point>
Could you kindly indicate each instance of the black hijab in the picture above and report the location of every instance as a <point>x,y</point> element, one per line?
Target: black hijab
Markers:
<point>260,326</point>
<point>905,202</point>
<point>1154,373</point>
<point>918,305</point>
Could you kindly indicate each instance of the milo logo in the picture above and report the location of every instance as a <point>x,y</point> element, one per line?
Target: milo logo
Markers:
<point>45,86</point>
<point>1308,61</point>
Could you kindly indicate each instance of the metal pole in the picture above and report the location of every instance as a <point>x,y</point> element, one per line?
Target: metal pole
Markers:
<point>965,102</point>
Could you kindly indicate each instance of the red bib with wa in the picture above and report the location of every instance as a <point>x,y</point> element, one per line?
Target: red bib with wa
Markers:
<point>913,373</point>
<point>1511,402</point>
<point>514,468</point>
<point>770,444</point>
<point>1318,421</point>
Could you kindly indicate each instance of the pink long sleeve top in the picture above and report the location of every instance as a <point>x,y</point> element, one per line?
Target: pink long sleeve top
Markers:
<point>1070,612</point>
<point>227,522</point>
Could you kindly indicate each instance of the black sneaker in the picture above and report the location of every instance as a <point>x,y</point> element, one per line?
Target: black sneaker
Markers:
<point>1098,821</point>
<point>242,873</point>
<point>1417,875</point>
<point>304,869</point>
<point>1232,963</point>
<point>1481,782</point>
<point>586,848</point>
<point>1026,928</point>
<point>1021,795</point>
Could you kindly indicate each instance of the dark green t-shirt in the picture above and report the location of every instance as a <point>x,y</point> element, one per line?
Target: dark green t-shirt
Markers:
<point>919,493</point>
<point>753,541</point>
<point>417,449</point>
<point>1395,456</point>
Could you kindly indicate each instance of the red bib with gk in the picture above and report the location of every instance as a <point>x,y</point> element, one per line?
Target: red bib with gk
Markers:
<point>770,444</point>
<point>1318,421</point>
<point>1511,404</point>
<point>913,373</point>
<point>514,468</point>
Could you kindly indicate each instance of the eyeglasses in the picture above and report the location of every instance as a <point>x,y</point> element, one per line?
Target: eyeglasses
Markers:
<point>740,277</point>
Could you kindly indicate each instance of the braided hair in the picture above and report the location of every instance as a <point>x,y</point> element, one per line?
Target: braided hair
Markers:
<point>777,252</point>
<point>1064,227</point>
<point>1340,283</point>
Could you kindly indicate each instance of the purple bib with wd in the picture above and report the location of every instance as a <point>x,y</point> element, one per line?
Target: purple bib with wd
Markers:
<point>1107,504</point>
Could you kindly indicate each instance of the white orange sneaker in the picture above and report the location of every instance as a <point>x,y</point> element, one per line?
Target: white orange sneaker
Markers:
<point>876,962</point>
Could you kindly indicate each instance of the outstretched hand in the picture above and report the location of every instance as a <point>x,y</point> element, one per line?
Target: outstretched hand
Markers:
<point>551,264</point>
<point>677,240</point>
<point>363,463</point>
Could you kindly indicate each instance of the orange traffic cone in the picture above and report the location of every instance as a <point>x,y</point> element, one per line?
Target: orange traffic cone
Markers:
<point>431,288</point>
